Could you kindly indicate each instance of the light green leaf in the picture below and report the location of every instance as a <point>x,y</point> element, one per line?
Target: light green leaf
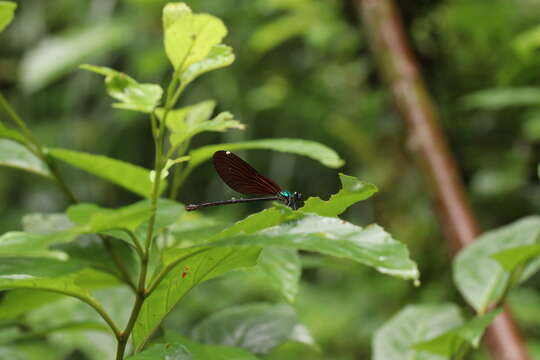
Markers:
<point>371,246</point>
<point>8,133</point>
<point>511,259</point>
<point>221,122</point>
<point>7,9</point>
<point>57,55</point>
<point>452,342</point>
<point>220,56</point>
<point>283,269</point>
<point>479,278</point>
<point>352,191</point>
<point>178,120</point>
<point>415,323</point>
<point>258,328</point>
<point>131,94</point>
<point>209,352</point>
<point>13,154</point>
<point>527,42</point>
<point>189,37</point>
<point>22,244</point>
<point>173,351</point>
<point>131,177</point>
<point>497,99</point>
<point>179,275</point>
<point>314,150</point>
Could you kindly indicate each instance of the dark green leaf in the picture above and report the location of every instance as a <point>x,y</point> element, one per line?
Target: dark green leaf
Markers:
<point>209,352</point>
<point>180,274</point>
<point>173,351</point>
<point>131,177</point>
<point>15,155</point>
<point>314,150</point>
<point>352,191</point>
<point>258,328</point>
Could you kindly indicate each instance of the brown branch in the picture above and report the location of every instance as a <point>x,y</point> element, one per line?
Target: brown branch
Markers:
<point>400,70</point>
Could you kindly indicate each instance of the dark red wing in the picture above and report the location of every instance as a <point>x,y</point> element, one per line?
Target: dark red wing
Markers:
<point>242,177</point>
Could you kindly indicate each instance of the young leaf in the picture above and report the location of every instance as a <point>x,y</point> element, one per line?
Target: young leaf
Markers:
<point>177,120</point>
<point>13,154</point>
<point>314,150</point>
<point>173,351</point>
<point>450,343</point>
<point>179,275</point>
<point>209,352</point>
<point>258,328</point>
<point>7,8</point>
<point>352,191</point>
<point>131,177</point>
<point>415,323</point>
<point>221,122</point>
<point>131,94</point>
<point>477,275</point>
<point>189,37</point>
<point>220,56</point>
<point>512,258</point>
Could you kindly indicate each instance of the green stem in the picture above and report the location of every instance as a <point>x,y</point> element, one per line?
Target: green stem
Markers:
<point>123,271</point>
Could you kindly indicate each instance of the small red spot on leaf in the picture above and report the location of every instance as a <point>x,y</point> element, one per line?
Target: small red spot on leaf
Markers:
<point>184,274</point>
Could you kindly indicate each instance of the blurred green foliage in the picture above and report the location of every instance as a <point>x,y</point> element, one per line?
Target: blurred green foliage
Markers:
<point>303,70</point>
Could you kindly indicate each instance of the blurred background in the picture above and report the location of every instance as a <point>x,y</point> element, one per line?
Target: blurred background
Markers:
<point>303,70</point>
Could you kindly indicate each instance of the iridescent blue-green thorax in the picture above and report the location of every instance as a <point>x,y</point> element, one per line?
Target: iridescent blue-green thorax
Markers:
<point>293,200</point>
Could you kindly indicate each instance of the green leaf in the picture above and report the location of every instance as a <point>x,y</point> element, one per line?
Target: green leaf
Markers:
<point>11,134</point>
<point>180,273</point>
<point>57,55</point>
<point>258,328</point>
<point>497,99</point>
<point>131,177</point>
<point>511,259</point>
<point>209,352</point>
<point>415,323</point>
<point>371,246</point>
<point>189,37</point>
<point>179,119</point>
<point>221,122</point>
<point>15,155</point>
<point>220,56</point>
<point>479,278</point>
<point>283,269</point>
<point>173,351</point>
<point>272,34</point>
<point>96,219</point>
<point>352,191</point>
<point>22,244</point>
<point>7,9</point>
<point>452,342</point>
<point>18,302</point>
<point>314,150</point>
<point>131,94</point>
<point>527,42</point>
